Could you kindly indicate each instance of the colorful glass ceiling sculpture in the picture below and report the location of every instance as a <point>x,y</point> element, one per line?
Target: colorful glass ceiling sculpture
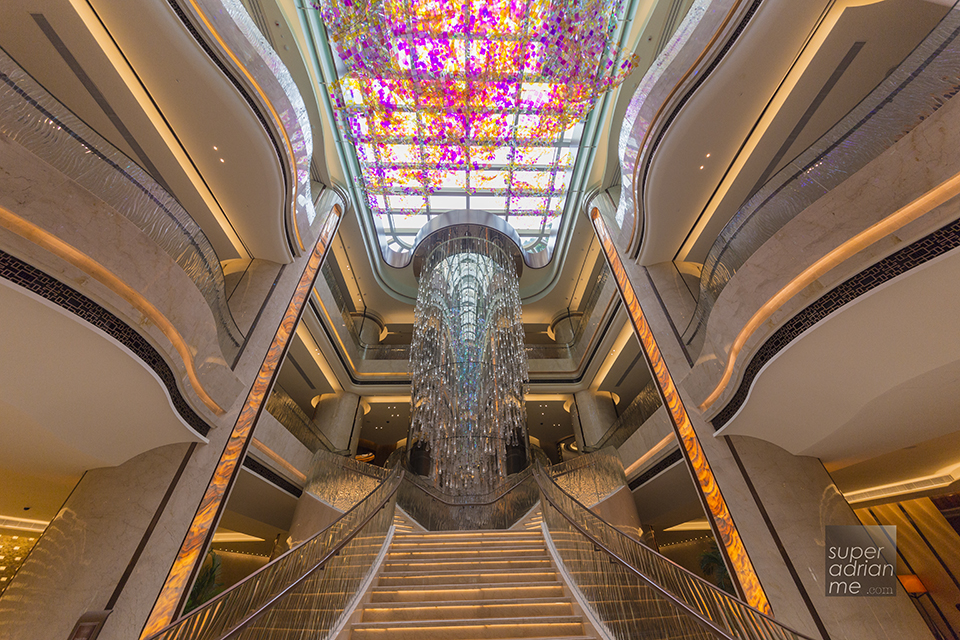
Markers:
<point>470,104</point>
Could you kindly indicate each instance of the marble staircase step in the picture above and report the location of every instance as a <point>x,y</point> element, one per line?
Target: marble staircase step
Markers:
<point>502,552</point>
<point>426,564</point>
<point>473,592</point>
<point>459,577</point>
<point>474,610</point>
<point>471,629</point>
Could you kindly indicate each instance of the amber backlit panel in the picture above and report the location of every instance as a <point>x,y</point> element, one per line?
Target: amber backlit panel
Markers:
<point>196,539</point>
<point>726,529</point>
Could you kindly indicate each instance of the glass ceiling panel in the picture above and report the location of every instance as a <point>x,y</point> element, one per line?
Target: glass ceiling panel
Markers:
<point>469,104</point>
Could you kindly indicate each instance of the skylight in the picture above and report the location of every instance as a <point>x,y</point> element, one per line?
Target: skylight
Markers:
<point>469,104</point>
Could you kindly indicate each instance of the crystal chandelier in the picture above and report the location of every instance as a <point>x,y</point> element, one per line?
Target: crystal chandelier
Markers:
<point>469,367</point>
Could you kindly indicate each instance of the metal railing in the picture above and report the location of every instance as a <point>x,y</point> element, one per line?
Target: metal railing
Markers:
<point>919,86</point>
<point>499,509</point>
<point>288,413</point>
<point>39,123</point>
<point>308,588</point>
<point>639,411</point>
<point>591,478</point>
<point>636,592</point>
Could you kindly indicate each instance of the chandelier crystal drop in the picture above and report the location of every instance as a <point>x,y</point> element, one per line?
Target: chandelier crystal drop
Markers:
<point>469,366</point>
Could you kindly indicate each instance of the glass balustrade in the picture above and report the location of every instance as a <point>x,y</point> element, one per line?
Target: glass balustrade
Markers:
<point>590,478</point>
<point>39,123</point>
<point>308,588</point>
<point>288,413</point>
<point>636,592</point>
<point>499,509</point>
<point>920,85</point>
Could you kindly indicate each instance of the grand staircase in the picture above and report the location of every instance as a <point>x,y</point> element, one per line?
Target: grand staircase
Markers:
<point>468,585</point>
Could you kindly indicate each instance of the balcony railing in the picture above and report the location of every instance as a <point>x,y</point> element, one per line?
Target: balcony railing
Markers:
<point>499,509</point>
<point>599,290</point>
<point>639,411</point>
<point>341,481</point>
<point>39,123</point>
<point>922,83</point>
<point>592,478</point>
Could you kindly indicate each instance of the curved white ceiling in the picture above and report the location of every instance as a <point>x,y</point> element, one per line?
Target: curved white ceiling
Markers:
<point>174,102</point>
<point>71,399</point>
<point>879,375</point>
<point>751,98</point>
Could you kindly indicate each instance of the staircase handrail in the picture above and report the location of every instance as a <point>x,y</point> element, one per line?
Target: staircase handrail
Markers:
<point>497,509</point>
<point>390,485</point>
<point>500,491</point>
<point>782,631</point>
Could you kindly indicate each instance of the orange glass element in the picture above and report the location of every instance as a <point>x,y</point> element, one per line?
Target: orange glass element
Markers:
<point>693,452</point>
<point>912,585</point>
<point>198,534</point>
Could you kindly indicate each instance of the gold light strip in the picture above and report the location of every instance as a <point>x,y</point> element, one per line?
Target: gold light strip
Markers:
<point>273,112</point>
<point>784,90</point>
<point>713,499</point>
<point>178,579</point>
<point>657,448</point>
<point>346,353</point>
<point>29,231</point>
<point>899,218</point>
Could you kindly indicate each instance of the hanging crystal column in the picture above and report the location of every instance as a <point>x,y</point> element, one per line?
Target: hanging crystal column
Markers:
<point>468,423</point>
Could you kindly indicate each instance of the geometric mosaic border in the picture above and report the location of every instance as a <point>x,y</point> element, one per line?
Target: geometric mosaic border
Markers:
<point>29,277</point>
<point>927,248</point>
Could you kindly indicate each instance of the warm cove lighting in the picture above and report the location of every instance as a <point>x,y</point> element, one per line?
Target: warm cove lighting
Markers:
<point>22,524</point>
<point>895,221</point>
<point>226,535</point>
<point>691,525</point>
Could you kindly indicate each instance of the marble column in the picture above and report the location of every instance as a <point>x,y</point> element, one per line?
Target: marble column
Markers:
<point>339,417</point>
<point>80,562</point>
<point>369,328</point>
<point>798,499</point>
<point>564,327</point>
<point>596,412</point>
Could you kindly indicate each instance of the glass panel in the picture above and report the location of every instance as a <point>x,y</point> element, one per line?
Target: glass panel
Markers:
<point>36,121</point>
<point>308,588</point>
<point>922,83</point>
<point>500,509</point>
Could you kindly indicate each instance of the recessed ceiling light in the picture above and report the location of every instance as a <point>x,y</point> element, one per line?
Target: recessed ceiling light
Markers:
<point>221,160</point>
<point>708,155</point>
<point>215,148</point>
<point>701,167</point>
